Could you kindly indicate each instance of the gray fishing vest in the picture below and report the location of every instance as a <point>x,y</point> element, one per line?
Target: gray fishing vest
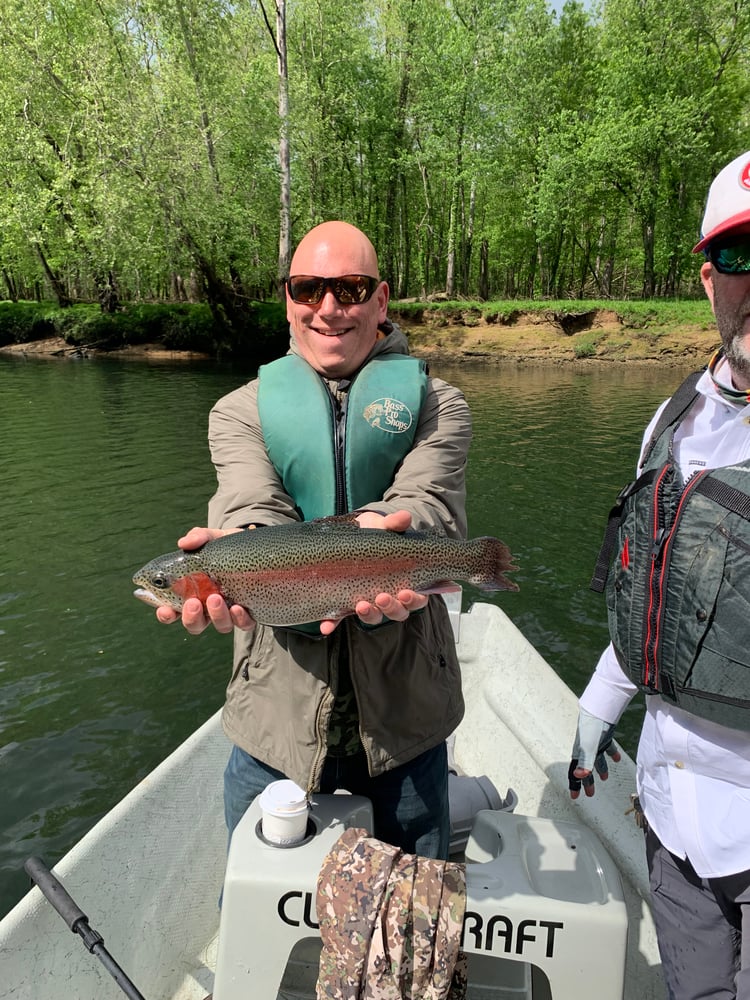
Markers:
<point>678,589</point>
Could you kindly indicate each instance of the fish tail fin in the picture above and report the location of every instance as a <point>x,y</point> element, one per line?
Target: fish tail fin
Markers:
<point>495,561</point>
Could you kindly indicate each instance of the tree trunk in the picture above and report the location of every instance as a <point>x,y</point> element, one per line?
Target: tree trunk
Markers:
<point>450,273</point>
<point>55,283</point>
<point>469,240</point>
<point>484,258</point>
<point>106,289</point>
<point>10,285</point>
<point>195,73</point>
<point>649,277</point>
<point>285,201</point>
<point>404,269</point>
<point>395,168</point>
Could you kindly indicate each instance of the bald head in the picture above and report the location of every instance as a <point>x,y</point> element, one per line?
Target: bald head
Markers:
<point>336,337</point>
<point>333,249</point>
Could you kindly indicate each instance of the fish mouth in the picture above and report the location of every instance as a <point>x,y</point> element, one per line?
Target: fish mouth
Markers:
<point>147,596</point>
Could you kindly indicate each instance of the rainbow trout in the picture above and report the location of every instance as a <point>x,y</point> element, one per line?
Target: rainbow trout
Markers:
<point>292,574</point>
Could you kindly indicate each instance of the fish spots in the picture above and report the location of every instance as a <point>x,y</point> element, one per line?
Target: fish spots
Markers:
<point>297,573</point>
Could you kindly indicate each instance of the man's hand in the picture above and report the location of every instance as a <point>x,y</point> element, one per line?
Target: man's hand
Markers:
<point>592,745</point>
<point>399,520</point>
<point>195,617</point>
<point>396,607</point>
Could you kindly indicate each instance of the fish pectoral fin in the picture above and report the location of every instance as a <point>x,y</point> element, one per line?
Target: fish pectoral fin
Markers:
<point>440,587</point>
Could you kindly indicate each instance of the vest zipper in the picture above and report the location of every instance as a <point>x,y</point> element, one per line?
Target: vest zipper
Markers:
<point>663,536</point>
<point>342,501</point>
<point>338,408</point>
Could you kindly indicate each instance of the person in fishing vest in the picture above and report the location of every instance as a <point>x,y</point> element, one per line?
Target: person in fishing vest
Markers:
<point>346,422</point>
<point>675,565</point>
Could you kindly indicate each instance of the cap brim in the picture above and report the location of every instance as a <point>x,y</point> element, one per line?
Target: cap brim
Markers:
<point>741,219</point>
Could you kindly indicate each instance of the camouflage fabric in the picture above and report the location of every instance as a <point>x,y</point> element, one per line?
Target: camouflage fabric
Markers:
<point>391,923</point>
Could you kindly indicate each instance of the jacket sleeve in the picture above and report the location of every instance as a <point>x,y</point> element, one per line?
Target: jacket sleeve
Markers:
<point>431,480</point>
<point>249,490</point>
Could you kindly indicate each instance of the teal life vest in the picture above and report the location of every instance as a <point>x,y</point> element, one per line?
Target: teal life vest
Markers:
<point>337,457</point>
<point>678,590</point>
<point>334,457</point>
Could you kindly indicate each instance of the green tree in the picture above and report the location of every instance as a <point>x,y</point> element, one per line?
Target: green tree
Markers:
<point>664,94</point>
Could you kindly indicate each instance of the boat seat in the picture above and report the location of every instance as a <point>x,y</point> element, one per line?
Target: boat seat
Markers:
<point>545,910</point>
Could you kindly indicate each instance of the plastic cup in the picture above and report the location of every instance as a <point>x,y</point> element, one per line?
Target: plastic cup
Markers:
<point>283,813</point>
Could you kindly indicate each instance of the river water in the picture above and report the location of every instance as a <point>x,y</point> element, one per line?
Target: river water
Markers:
<point>105,464</point>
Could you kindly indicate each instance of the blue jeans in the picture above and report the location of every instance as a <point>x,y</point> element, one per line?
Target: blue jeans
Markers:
<point>410,803</point>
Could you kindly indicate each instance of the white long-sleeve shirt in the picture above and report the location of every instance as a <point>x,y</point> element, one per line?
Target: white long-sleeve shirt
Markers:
<point>693,776</point>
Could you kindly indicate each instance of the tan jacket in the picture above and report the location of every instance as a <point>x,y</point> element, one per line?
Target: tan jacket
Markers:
<point>405,675</point>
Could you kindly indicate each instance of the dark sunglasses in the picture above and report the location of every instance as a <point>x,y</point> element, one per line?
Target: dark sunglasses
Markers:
<point>348,290</point>
<point>730,258</point>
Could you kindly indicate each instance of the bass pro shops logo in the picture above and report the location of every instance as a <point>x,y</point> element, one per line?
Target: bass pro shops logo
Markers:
<point>390,415</point>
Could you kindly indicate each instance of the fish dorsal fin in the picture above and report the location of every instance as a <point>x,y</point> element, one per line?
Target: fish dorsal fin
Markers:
<point>337,521</point>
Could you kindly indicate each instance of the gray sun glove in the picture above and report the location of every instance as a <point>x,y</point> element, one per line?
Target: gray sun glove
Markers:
<point>593,743</point>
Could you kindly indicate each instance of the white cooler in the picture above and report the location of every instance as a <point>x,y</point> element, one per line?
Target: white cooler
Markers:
<point>545,913</point>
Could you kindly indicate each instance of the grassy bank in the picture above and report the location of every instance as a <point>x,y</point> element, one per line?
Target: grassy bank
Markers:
<point>173,326</point>
<point>521,330</point>
<point>674,331</point>
<point>637,314</point>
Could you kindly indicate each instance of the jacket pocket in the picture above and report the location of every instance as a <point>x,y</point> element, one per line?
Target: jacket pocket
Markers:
<point>253,654</point>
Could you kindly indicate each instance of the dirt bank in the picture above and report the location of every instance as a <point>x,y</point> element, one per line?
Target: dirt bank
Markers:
<point>57,347</point>
<point>550,337</point>
<point>538,337</point>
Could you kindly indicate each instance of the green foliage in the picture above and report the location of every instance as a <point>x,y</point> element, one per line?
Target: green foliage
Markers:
<point>637,314</point>
<point>21,322</point>
<point>585,346</point>
<point>265,336</point>
<point>179,327</point>
<point>491,150</point>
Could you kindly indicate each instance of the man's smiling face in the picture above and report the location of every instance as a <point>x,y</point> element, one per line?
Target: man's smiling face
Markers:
<point>334,338</point>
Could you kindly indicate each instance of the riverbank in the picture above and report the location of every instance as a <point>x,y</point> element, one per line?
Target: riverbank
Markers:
<point>551,336</point>
<point>469,334</point>
<point>57,347</point>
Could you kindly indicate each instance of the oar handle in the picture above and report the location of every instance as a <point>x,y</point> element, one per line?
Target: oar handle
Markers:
<point>55,893</point>
<point>78,922</point>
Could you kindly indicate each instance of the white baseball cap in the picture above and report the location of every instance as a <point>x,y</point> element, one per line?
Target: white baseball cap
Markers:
<point>728,202</point>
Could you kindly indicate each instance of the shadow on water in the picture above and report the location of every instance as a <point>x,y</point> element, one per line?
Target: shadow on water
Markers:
<point>105,464</point>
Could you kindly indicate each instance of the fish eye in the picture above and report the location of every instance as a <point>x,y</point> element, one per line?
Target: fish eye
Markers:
<point>160,581</point>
